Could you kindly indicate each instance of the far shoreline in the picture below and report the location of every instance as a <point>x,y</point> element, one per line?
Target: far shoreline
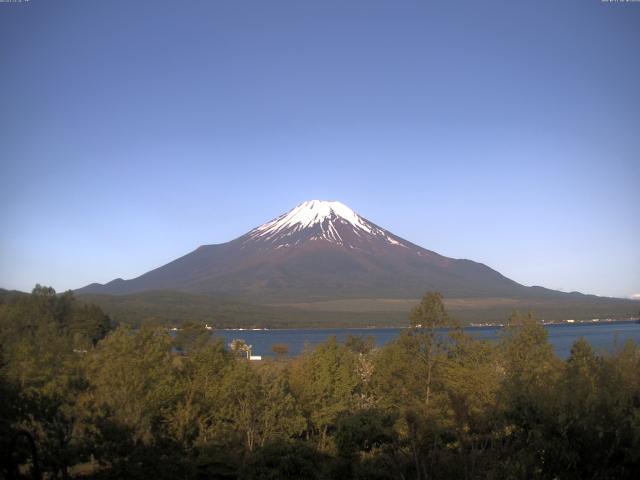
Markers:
<point>468,326</point>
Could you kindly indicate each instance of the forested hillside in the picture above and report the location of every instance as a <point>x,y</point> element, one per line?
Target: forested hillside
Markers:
<point>174,308</point>
<point>84,398</point>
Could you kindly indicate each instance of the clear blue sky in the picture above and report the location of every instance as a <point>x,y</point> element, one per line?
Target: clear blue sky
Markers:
<point>507,132</point>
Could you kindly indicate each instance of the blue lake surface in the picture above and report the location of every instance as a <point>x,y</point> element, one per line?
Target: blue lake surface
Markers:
<point>603,336</point>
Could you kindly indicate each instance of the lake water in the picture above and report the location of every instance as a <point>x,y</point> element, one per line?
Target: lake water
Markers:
<point>602,336</point>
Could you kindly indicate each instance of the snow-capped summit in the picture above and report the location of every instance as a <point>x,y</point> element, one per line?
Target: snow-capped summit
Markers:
<point>320,220</point>
<point>316,211</point>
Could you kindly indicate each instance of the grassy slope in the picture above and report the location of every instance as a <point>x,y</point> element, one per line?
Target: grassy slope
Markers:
<point>176,307</point>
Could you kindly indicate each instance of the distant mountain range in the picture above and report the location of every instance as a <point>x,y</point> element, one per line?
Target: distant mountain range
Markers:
<point>323,256</point>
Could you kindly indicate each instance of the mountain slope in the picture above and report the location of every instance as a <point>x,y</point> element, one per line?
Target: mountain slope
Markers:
<point>318,250</point>
<point>323,251</point>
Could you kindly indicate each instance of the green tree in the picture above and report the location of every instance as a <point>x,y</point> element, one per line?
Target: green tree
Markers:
<point>191,337</point>
<point>88,324</point>
<point>45,367</point>
<point>284,460</point>
<point>360,344</point>
<point>280,349</point>
<point>242,401</point>
<point>425,318</point>
<point>132,379</point>
<point>530,373</point>
<point>397,381</point>
<point>364,431</point>
<point>324,382</point>
<point>596,419</point>
<point>199,376</point>
<point>471,382</point>
<point>280,413</point>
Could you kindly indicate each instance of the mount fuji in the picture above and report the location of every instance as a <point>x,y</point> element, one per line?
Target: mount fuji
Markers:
<point>324,252</point>
<point>320,250</point>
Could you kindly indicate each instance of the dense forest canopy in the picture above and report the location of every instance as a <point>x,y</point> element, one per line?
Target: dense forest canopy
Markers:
<point>84,397</point>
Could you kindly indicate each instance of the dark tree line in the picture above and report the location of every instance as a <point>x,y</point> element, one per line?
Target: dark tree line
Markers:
<point>104,402</point>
